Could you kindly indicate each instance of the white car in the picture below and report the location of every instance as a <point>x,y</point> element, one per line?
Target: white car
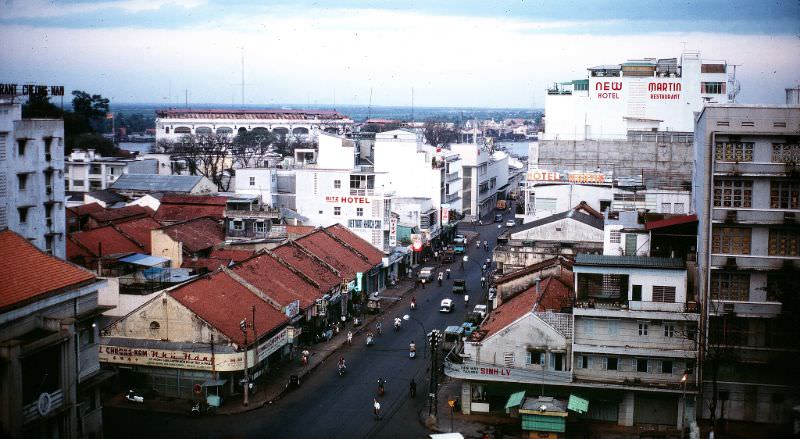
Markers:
<point>480,309</point>
<point>511,223</point>
<point>446,305</point>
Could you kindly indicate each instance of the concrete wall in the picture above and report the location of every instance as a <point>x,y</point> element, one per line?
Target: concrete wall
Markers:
<point>646,277</point>
<point>164,246</point>
<point>563,230</point>
<point>164,318</point>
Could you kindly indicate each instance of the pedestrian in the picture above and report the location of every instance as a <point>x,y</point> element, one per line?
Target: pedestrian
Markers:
<point>350,337</point>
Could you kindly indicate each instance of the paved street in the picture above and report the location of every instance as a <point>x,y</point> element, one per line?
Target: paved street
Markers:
<point>327,405</point>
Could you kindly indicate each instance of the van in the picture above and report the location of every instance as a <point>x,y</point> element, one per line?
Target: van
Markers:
<point>446,305</point>
<point>480,310</point>
<point>426,274</point>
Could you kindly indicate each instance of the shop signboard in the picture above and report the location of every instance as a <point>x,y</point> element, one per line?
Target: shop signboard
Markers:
<point>170,358</point>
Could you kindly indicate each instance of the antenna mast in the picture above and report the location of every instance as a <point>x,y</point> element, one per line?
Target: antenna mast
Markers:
<point>369,107</point>
<point>412,105</point>
<point>242,48</point>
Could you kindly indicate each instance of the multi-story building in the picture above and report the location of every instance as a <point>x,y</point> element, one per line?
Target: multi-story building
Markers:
<point>86,171</point>
<point>483,173</point>
<point>747,198</point>
<point>304,125</point>
<point>629,116</point>
<point>49,366</point>
<point>32,178</point>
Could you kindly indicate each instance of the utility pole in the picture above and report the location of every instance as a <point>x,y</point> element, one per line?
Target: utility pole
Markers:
<point>245,381</point>
<point>255,338</point>
<point>433,398</point>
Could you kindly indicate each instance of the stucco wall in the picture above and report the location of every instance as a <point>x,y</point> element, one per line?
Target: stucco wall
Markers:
<point>162,245</point>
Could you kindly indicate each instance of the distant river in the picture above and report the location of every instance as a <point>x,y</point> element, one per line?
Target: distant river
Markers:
<point>141,147</point>
<point>519,149</point>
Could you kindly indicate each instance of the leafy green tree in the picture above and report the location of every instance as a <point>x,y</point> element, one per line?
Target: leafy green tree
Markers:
<point>39,106</point>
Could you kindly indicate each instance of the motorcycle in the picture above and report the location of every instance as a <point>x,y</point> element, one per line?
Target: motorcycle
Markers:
<point>342,369</point>
<point>195,412</point>
<point>413,304</point>
<point>448,273</point>
<point>466,300</point>
<point>397,324</point>
<point>381,388</point>
<point>133,397</point>
<point>369,340</point>
<point>412,350</point>
<point>440,279</point>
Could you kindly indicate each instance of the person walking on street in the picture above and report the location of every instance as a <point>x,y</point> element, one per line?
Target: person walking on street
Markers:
<point>350,337</point>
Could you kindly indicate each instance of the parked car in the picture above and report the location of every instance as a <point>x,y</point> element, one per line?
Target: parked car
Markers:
<point>511,223</point>
<point>480,309</point>
<point>446,305</point>
<point>460,239</point>
<point>426,274</point>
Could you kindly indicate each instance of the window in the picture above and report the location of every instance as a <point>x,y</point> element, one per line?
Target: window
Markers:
<point>359,211</point>
<point>616,237</point>
<point>252,181</point>
<point>535,357</point>
<point>588,326</point>
<point>669,330</point>
<point>77,183</point>
<point>730,285</point>
<point>508,359</point>
<point>666,207</point>
<point>583,361</point>
<point>664,294</point>
<point>545,204</point>
<point>786,153</point>
<point>22,180</point>
<point>482,169</point>
<point>733,193</point>
<point>238,225</point>
<point>23,214</point>
<point>734,151</point>
<point>643,328</point>
<point>714,88</point>
<point>636,293</point>
<point>613,327</point>
<point>337,210</point>
<point>731,240</point>
<point>784,242</point>
<point>641,365</point>
<point>784,194</point>
<point>666,366</point>
<point>21,147</point>
<point>679,208</point>
<point>260,227</point>
<point>337,184</point>
<point>612,363</point>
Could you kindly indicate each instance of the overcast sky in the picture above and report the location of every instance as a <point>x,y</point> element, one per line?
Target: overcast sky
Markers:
<point>459,53</point>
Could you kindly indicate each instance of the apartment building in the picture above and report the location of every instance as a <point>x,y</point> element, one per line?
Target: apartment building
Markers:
<point>747,196</point>
<point>32,178</point>
<point>87,171</point>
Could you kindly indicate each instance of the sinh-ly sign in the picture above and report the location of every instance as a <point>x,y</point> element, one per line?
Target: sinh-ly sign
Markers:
<point>31,90</point>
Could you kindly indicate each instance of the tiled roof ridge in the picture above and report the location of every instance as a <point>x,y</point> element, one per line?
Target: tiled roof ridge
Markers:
<point>345,244</point>
<point>121,232</point>
<point>539,266</point>
<point>319,260</point>
<point>167,226</point>
<point>294,270</point>
<point>95,252</point>
<point>252,288</point>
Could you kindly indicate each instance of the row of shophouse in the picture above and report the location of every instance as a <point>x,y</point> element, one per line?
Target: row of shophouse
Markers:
<point>660,302</point>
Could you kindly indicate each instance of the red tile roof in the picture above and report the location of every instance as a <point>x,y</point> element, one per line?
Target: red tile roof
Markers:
<point>122,214</point>
<point>294,232</point>
<point>233,255</point>
<point>553,296</point>
<point>30,274</point>
<point>309,265</point>
<point>139,230</point>
<point>344,260</point>
<point>196,234</point>
<point>277,281</point>
<point>671,221</point>
<point>186,207</point>
<point>222,302</point>
<point>106,239</point>
<point>210,264</point>
<point>85,209</point>
<point>372,254</point>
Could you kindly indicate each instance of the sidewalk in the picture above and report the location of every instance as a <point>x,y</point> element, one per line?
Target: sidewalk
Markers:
<point>471,426</point>
<point>273,386</point>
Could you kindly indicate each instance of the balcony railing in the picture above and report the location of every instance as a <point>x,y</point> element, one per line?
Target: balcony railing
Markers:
<point>267,213</point>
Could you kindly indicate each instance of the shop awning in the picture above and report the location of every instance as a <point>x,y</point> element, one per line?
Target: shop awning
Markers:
<point>515,400</point>
<point>213,383</point>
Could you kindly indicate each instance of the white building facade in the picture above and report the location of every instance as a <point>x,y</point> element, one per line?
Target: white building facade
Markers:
<point>32,179</point>
<point>483,173</point>
<point>86,171</point>
<point>637,95</point>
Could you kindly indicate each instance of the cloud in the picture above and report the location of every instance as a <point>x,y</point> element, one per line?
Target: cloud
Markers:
<point>12,9</point>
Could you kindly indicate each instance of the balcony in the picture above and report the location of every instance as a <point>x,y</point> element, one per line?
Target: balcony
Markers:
<point>453,176</point>
<point>742,215</point>
<point>744,169</point>
<point>263,213</point>
<point>745,309</point>
<point>753,262</point>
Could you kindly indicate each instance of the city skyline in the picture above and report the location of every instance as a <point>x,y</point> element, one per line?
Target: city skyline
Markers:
<point>450,54</point>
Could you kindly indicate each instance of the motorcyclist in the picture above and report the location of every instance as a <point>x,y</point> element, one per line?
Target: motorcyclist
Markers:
<point>412,387</point>
<point>448,273</point>
<point>483,281</point>
<point>397,323</point>
<point>413,302</point>
<point>486,245</point>
<point>441,275</point>
<point>378,327</point>
<point>381,383</point>
<point>349,337</point>
<point>466,299</point>
<point>412,347</point>
<point>342,364</point>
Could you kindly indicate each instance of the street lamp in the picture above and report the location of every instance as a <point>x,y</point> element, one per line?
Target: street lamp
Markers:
<point>246,380</point>
<point>684,380</point>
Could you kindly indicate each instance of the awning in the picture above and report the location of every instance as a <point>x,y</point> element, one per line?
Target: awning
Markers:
<point>213,383</point>
<point>515,400</point>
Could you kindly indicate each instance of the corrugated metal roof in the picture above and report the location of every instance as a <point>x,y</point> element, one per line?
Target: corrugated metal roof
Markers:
<point>144,260</point>
<point>156,183</point>
<point>629,261</point>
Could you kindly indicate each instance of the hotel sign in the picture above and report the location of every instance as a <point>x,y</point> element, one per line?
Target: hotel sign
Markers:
<point>608,89</point>
<point>541,175</point>
<point>346,199</point>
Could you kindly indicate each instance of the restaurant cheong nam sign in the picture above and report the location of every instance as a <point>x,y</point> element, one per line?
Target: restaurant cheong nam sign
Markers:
<point>31,90</point>
<point>170,359</point>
